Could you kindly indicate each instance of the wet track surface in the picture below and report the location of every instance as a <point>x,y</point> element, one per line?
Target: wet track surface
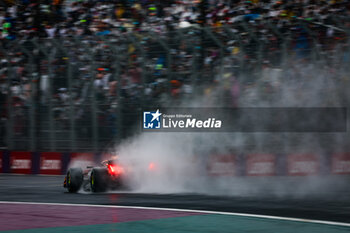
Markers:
<point>48,189</point>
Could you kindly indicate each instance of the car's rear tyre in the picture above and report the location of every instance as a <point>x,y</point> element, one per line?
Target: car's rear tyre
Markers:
<point>99,180</point>
<point>75,178</point>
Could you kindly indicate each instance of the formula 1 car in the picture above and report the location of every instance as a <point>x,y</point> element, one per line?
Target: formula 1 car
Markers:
<point>109,175</point>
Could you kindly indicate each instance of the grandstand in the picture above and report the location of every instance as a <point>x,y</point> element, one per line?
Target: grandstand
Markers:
<point>74,75</point>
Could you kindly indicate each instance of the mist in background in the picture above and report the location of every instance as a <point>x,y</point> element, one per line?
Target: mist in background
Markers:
<point>178,162</point>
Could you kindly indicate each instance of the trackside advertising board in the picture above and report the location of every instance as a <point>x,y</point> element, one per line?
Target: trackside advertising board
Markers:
<point>341,163</point>
<point>254,164</point>
<point>21,162</point>
<point>222,165</point>
<point>260,165</point>
<point>303,164</point>
<point>81,160</point>
<point>50,163</point>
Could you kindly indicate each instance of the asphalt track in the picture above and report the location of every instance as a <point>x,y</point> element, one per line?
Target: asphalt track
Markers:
<point>48,189</point>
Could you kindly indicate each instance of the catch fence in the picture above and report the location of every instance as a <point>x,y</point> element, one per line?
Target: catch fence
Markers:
<point>84,93</point>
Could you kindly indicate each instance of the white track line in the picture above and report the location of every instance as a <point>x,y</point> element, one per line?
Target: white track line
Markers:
<point>188,210</point>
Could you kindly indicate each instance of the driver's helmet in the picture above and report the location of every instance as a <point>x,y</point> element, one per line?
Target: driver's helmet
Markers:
<point>112,160</point>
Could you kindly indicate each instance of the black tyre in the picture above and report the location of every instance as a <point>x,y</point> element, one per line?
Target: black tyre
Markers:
<point>75,178</point>
<point>99,180</point>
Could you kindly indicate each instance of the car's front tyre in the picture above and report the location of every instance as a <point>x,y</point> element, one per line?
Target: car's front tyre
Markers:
<point>75,178</point>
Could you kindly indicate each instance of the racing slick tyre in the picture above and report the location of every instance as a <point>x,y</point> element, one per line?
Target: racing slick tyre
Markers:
<point>99,179</point>
<point>75,179</point>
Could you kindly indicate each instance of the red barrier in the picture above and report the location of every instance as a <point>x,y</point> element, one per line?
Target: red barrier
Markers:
<point>261,165</point>
<point>81,160</point>
<point>341,163</point>
<point>303,164</point>
<point>50,163</point>
<point>21,162</point>
<point>222,165</point>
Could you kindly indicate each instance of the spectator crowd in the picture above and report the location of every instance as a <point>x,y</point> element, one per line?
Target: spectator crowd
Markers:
<point>69,55</point>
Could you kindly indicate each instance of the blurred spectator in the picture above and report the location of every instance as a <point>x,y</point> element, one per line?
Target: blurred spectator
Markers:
<point>155,52</point>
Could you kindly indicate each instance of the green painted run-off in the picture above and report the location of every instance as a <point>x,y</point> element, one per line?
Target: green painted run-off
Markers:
<point>198,223</point>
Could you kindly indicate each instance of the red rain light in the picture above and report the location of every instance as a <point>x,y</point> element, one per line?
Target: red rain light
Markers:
<point>115,169</point>
<point>151,166</point>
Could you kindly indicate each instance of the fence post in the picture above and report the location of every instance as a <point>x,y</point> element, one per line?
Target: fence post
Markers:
<point>119,101</point>
<point>240,44</point>
<point>93,104</point>
<point>142,53</point>
<point>32,132</point>
<point>9,107</point>
<point>117,71</point>
<point>169,62</point>
<point>52,127</point>
<point>221,52</point>
<point>72,135</point>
